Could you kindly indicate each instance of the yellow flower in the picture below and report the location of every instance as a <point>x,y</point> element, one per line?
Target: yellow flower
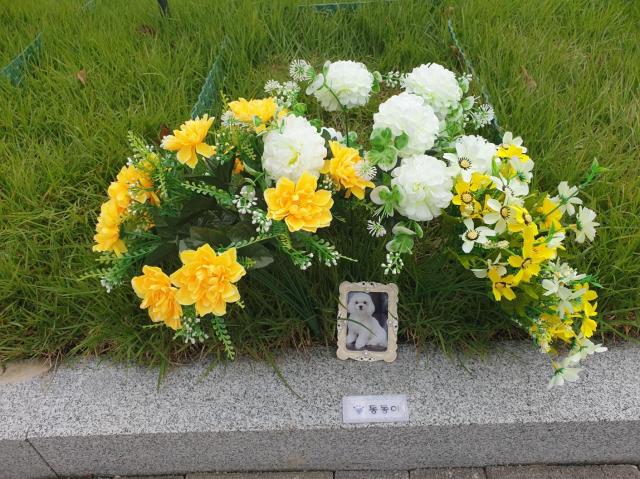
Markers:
<point>502,285</point>
<point>157,294</point>
<point>588,309</point>
<point>189,140</point>
<point>206,279</point>
<point>342,170</point>
<point>246,111</point>
<point>510,151</point>
<point>465,194</point>
<point>300,205</point>
<point>551,214</point>
<point>238,166</point>
<point>107,235</point>
<point>522,220</point>
<point>533,254</point>
<point>558,328</point>
<point>132,183</point>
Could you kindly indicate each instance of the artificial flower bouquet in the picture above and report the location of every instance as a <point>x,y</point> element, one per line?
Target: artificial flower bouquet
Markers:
<point>185,222</point>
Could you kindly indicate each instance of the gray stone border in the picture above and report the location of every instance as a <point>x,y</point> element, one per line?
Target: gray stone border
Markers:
<point>107,419</point>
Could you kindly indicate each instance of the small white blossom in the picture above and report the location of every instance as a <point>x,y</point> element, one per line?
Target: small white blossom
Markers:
<point>585,225</point>
<point>365,170</point>
<point>376,229</point>
<point>299,70</point>
<point>508,139</point>
<point>394,263</point>
<point>512,186</point>
<point>496,264</point>
<point>567,198</point>
<point>584,348</point>
<point>473,235</point>
<point>272,86</point>
<point>564,373</point>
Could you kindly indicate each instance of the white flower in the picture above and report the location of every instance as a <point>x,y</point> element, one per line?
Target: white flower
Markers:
<point>376,229</point>
<point>272,86</point>
<point>567,198</point>
<point>299,70</point>
<point>349,81</point>
<point>437,85</point>
<point>474,235</point>
<point>524,170</point>
<point>491,264</point>
<point>407,113</point>
<point>483,116</point>
<point>508,139</point>
<point>292,149</point>
<point>564,373</point>
<point>425,187</point>
<point>473,154</point>
<point>501,214</point>
<point>585,225</point>
<point>512,186</point>
<point>556,240</point>
<point>564,272</point>
<point>584,348</point>
<point>365,170</point>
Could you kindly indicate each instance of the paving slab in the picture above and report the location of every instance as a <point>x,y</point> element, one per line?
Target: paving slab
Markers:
<point>108,419</point>
<point>23,386</point>
<point>449,473</point>
<point>263,475</point>
<point>371,475</point>
<point>564,472</point>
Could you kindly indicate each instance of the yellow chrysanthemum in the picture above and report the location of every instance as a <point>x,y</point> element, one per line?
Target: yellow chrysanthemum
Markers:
<point>246,110</point>
<point>189,142</point>
<point>107,235</point>
<point>299,205</point>
<point>551,214</point>
<point>534,253</point>
<point>206,279</point>
<point>158,296</point>
<point>132,183</point>
<point>342,169</point>
<point>502,286</point>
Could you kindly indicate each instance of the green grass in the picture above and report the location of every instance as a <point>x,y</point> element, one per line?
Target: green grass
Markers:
<point>61,143</point>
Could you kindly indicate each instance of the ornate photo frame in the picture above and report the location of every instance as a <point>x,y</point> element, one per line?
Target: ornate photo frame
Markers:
<point>391,291</point>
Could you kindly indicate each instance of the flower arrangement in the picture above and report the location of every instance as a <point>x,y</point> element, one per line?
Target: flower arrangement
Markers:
<point>187,220</point>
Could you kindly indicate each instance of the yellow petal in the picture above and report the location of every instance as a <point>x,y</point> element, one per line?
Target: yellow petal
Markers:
<point>206,150</point>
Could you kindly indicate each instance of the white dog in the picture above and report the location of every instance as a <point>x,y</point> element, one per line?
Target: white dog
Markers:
<point>363,328</point>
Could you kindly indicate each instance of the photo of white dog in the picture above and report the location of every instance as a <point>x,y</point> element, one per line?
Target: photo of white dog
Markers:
<point>364,330</point>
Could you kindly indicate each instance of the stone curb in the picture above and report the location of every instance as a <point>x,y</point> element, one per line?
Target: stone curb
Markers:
<point>104,419</point>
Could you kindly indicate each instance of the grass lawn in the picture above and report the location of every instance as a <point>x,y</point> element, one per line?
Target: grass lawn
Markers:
<point>564,75</point>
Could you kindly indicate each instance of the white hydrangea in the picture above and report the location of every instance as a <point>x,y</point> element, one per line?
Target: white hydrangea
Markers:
<point>407,113</point>
<point>473,154</point>
<point>292,149</point>
<point>350,81</point>
<point>437,85</point>
<point>425,187</point>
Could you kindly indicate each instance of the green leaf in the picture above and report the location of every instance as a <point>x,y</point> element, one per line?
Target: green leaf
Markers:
<point>260,254</point>
<point>381,138</point>
<point>385,159</point>
<point>16,69</point>
<point>299,109</point>
<point>208,99</point>
<point>401,141</point>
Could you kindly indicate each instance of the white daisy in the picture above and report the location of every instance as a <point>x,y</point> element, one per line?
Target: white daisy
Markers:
<point>584,348</point>
<point>508,139</point>
<point>473,154</point>
<point>567,198</point>
<point>585,225</point>
<point>564,373</point>
<point>513,187</point>
<point>473,235</point>
<point>501,214</point>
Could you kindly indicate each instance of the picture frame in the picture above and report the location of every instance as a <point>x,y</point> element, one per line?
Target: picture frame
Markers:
<point>366,311</point>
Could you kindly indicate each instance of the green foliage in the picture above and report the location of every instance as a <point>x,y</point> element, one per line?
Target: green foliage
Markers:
<point>62,143</point>
<point>15,70</point>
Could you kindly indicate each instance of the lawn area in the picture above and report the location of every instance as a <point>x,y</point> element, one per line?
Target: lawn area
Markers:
<point>563,75</point>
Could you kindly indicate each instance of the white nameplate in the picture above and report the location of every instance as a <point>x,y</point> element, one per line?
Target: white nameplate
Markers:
<point>384,408</point>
